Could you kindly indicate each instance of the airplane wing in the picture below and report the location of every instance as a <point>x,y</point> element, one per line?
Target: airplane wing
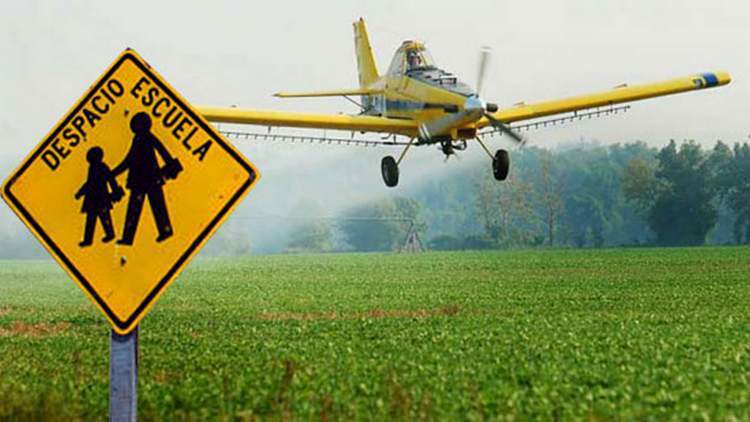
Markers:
<point>309,120</point>
<point>332,93</point>
<point>409,128</point>
<point>618,95</point>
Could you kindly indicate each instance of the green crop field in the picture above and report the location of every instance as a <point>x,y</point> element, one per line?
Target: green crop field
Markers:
<point>608,334</point>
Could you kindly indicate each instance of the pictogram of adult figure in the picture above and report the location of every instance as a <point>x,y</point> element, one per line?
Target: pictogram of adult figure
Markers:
<point>146,178</point>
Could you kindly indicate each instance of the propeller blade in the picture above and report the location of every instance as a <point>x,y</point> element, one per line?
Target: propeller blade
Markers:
<point>484,60</point>
<point>505,128</point>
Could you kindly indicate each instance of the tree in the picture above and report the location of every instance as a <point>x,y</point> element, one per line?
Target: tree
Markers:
<point>733,174</point>
<point>310,230</point>
<point>591,196</point>
<point>640,184</point>
<point>550,195</point>
<point>312,236</point>
<point>588,211</point>
<point>505,209</point>
<point>678,199</point>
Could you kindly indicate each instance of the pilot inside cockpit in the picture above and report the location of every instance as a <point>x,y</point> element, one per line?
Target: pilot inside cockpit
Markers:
<point>413,60</point>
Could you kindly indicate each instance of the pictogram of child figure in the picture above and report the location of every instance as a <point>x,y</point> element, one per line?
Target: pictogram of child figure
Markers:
<point>99,192</point>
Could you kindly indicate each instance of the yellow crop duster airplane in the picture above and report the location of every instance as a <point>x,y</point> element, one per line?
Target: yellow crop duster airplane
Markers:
<point>428,105</point>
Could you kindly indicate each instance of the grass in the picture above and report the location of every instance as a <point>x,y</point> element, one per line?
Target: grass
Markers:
<point>608,334</point>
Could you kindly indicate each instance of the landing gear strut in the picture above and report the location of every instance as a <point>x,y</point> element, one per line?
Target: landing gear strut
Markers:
<point>500,161</point>
<point>389,166</point>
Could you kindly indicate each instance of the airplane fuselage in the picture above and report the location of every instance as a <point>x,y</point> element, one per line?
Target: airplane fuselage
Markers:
<point>418,92</point>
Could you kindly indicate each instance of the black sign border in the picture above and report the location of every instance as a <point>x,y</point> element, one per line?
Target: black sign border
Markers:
<point>124,324</point>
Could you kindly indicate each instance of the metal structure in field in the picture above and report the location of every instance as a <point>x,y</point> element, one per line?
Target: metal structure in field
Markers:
<point>411,243</point>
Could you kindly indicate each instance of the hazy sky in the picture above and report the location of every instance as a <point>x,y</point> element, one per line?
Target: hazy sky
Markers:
<point>223,53</point>
<point>240,52</point>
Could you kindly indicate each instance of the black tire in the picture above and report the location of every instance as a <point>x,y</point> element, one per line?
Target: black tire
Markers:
<point>389,168</point>
<point>501,164</point>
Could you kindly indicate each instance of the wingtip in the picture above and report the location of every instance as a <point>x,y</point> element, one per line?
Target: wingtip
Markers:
<point>724,78</point>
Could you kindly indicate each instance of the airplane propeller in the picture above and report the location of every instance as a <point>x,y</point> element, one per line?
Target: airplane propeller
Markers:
<point>484,59</point>
<point>497,124</point>
<point>474,109</point>
<point>485,54</point>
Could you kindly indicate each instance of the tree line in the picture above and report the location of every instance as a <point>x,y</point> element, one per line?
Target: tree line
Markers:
<point>587,196</point>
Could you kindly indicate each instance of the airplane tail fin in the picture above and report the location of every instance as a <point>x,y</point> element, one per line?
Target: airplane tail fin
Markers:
<point>368,70</point>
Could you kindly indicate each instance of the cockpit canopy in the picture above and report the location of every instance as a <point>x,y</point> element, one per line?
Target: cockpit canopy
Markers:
<point>411,56</point>
<point>414,61</point>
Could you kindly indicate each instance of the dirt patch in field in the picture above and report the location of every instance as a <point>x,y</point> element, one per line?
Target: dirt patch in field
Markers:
<point>373,313</point>
<point>4,311</point>
<point>165,377</point>
<point>40,329</point>
<point>298,316</point>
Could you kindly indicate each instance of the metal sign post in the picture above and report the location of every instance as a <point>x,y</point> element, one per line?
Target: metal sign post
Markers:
<point>123,376</point>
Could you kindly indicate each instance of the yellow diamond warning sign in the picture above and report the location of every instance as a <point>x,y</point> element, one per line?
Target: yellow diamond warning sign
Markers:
<point>127,187</point>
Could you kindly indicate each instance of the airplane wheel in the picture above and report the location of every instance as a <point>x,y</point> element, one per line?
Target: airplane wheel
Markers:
<point>389,168</point>
<point>501,164</point>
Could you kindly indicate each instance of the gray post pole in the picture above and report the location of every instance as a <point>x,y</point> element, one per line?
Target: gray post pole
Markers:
<point>123,377</point>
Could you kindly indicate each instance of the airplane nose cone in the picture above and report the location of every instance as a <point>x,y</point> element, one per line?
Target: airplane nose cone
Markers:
<point>474,103</point>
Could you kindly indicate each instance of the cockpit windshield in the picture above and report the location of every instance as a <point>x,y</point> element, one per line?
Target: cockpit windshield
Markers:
<point>419,59</point>
<point>410,57</point>
<point>413,61</point>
